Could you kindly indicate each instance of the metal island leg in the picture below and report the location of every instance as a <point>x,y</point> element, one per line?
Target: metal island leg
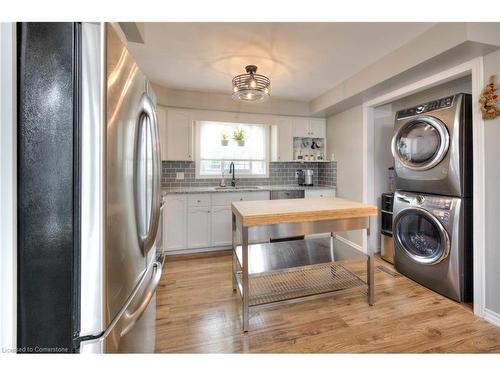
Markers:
<point>233,240</point>
<point>244,271</point>
<point>370,279</point>
<point>370,271</point>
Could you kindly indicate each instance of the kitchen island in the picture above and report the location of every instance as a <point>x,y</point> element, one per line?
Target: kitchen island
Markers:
<point>279,272</point>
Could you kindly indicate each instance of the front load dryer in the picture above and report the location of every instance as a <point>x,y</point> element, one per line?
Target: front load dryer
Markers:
<point>432,147</point>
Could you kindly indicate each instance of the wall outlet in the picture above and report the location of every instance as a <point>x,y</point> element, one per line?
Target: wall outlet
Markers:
<point>179,176</point>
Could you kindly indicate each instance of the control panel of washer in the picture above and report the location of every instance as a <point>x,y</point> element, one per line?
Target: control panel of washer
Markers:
<point>433,202</point>
<point>426,107</point>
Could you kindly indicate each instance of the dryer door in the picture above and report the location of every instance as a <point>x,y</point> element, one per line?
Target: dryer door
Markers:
<point>421,143</point>
<point>421,236</point>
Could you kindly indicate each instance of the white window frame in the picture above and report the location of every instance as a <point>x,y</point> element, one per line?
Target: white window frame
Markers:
<point>238,175</point>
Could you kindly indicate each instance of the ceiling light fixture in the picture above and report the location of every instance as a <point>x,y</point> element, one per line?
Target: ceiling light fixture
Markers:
<point>251,87</point>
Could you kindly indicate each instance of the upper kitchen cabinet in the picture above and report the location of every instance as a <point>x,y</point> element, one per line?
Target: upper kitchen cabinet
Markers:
<point>282,139</point>
<point>176,132</point>
<point>301,128</point>
<point>309,128</point>
<point>161,115</point>
<point>317,127</point>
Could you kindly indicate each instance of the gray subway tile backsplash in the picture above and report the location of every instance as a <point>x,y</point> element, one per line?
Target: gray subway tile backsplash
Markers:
<point>280,173</point>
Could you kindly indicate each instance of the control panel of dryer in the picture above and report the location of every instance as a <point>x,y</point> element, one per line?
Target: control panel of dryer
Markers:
<point>426,107</point>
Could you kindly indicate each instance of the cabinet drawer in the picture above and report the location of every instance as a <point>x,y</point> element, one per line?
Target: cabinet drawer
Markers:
<point>225,199</point>
<point>195,200</point>
<point>323,193</point>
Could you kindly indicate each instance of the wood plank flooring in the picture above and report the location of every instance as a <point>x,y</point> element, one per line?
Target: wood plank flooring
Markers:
<point>197,312</point>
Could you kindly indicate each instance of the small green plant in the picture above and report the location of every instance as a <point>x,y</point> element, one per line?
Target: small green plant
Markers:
<point>224,137</point>
<point>239,135</point>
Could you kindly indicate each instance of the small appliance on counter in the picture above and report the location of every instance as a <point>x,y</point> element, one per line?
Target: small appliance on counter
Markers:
<point>387,243</point>
<point>305,177</point>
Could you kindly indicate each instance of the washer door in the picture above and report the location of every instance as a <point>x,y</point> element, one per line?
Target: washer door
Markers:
<point>421,143</point>
<point>421,236</point>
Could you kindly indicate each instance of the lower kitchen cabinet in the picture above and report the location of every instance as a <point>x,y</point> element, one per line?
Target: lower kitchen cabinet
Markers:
<point>198,227</point>
<point>175,222</point>
<point>320,193</point>
<point>221,226</point>
<point>201,221</point>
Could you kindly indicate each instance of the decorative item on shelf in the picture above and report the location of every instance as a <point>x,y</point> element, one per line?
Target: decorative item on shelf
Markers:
<point>251,87</point>
<point>239,137</point>
<point>224,141</point>
<point>488,100</point>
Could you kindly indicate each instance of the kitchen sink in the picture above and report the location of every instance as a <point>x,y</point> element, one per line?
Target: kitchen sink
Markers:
<point>229,188</point>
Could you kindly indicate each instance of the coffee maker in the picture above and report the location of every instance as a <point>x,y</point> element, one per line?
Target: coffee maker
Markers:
<point>305,177</point>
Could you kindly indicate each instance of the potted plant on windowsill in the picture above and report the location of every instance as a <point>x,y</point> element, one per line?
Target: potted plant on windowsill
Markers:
<point>224,141</point>
<point>239,137</point>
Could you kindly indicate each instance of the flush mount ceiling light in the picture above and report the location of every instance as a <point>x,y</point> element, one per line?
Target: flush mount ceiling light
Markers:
<point>251,87</point>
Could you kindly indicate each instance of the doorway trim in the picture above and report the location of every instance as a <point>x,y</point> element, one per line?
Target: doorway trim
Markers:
<point>473,68</point>
<point>8,187</point>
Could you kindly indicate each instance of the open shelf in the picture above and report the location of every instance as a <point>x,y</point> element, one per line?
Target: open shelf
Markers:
<point>300,283</point>
<point>297,255</point>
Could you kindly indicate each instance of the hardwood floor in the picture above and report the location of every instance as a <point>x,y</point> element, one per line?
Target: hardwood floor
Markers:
<point>197,312</point>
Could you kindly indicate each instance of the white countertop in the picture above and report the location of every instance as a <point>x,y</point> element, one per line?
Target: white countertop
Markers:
<point>212,189</point>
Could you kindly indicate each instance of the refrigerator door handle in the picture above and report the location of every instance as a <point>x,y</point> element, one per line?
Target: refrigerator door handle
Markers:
<point>147,112</point>
<point>133,316</point>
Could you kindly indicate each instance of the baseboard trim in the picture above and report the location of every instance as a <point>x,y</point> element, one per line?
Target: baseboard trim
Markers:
<point>492,317</point>
<point>197,251</point>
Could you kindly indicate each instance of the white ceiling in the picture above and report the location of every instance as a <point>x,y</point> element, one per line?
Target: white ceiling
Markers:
<point>303,60</point>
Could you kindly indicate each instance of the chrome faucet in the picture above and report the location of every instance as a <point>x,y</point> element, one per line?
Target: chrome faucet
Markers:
<point>231,170</point>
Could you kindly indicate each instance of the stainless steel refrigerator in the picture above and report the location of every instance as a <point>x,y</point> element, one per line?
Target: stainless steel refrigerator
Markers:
<point>89,193</point>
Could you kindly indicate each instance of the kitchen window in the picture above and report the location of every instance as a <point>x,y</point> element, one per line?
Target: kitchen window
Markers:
<point>214,156</point>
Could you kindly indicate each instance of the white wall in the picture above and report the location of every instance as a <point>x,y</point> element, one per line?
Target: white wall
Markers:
<point>216,101</point>
<point>344,132</point>
<point>8,204</point>
<point>492,198</point>
<point>382,134</point>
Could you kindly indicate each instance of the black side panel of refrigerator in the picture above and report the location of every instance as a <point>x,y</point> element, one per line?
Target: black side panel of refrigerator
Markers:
<point>48,186</point>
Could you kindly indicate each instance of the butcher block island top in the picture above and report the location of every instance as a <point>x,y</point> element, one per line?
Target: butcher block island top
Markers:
<point>267,272</point>
<point>254,213</point>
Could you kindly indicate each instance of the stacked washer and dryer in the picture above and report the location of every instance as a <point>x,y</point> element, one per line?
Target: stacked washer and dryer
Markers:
<point>432,217</point>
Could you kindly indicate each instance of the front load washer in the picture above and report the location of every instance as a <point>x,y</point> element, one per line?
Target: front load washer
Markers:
<point>433,242</point>
<point>432,147</point>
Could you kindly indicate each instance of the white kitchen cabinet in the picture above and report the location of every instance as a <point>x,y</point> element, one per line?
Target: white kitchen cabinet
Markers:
<point>301,127</point>
<point>178,136</point>
<point>225,199</point>
<point>320,193</point>
<point>161,115</point>
<point>175,222</point>
<point>317,127</point>
<point>282,139</point>
<point>309,128</point>
<point>202,221</point>
<point>221,226</point>
<point>198,227</point>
